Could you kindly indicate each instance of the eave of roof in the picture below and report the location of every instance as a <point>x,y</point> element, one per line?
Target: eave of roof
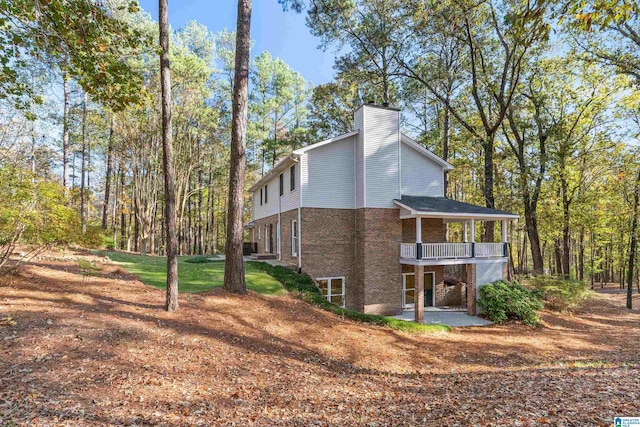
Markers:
<point>294,156</point>
<point>419,148</point>
<point>303,150</point>
<point>279,167</point>
<point>441,207</point>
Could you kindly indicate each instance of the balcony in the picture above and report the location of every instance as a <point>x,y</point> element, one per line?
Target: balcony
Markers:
<point>451,251</point>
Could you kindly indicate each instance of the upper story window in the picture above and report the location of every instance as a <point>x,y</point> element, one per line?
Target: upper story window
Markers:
<point>266,194</point>
<point>261,197</point>
<point>292,178</point>
<point>281,184</point>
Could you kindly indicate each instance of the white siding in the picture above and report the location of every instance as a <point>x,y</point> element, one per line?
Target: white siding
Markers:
<point>382,157</point>
<point>269,208</point>
<point>487,272</point>
<point>421,176</point>
<point>289,199</point>
<point>359,160</point>
<point>330,178</point>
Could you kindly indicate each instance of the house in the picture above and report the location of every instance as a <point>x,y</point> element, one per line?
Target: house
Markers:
<point>364,214</point>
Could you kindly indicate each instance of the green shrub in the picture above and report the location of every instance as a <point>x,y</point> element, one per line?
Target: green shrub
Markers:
<point>201,259</point>
<point>309,292</point>
<point>560,294</point>
<point>501,301</point>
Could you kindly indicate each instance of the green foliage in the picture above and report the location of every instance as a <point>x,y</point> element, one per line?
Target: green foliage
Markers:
<point>306,288</point>
<point>34,210</point>
<point>88,268</point>
<point>560,294</point>
<point>83,37</point>
<point>201,259</point>
<point>502,301</point>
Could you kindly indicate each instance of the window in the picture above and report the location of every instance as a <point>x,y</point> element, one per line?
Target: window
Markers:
<point>408,289</point>
<point>332,288</point>
<point>259,231</point>
<point>266,194</point>
<point>281,184</point>
<point>294,238</point>
<point>408,285</point>
<point>266,239</point>
<point>292,178</point>
<point>261,197</point>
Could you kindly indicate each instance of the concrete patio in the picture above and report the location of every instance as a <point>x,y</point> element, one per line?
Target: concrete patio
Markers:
<point>445,317</point>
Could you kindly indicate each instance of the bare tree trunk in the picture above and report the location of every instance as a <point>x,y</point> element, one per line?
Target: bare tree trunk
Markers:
<point>489,199</point>
<point>234,280</point>
<point>169,175</point>
<point>592,243</point>
<point>445,144</point>
<point>123,218</point>
<point>83,201</point>
<point>107,178</point>
<point>200,228</point>
<point>65,130</point>
<point>634,244</point>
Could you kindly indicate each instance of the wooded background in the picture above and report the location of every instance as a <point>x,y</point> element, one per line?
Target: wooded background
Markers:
<point>535,104</point>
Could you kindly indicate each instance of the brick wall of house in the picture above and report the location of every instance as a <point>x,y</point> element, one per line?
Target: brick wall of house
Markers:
<point>471,289</point>
<point>285,230</point>
<point>363,245</point>
<point>433,230</point>
<point>380,231</point>
<point>328,248</point>
<point>259,227</point>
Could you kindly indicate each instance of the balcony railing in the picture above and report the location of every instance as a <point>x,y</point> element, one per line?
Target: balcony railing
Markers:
<point>452,250</point>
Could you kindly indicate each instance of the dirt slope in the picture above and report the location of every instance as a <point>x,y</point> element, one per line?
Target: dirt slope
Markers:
<point>101,351</point>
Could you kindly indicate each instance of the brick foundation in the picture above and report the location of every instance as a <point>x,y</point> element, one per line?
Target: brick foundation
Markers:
<point>433,230</point>
<point>328,248</point>
<point>379,232</point>
<point>363,246</point>
<point>472,308</point>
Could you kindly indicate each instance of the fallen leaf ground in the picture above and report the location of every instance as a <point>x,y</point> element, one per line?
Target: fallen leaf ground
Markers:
<point>99,350</point>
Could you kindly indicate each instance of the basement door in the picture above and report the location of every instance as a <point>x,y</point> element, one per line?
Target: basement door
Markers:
<point>408,289</point>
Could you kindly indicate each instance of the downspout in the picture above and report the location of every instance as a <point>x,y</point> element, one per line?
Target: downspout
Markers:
<point>278,230</point>
<point>299,215</point>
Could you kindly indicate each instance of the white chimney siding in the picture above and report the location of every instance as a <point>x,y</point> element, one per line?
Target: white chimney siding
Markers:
<point>369,167</point>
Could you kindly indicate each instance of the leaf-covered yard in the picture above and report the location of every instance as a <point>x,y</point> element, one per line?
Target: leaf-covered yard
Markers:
<point>99,350</point>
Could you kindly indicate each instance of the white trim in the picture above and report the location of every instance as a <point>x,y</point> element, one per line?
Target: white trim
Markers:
<point>364,160</point>
<point>420,149</point>
<point>266,239</point>
<point>399,156</point>
<point>280,166</point>
<point>294,238</point>
<point>452,261</point>
<point>299,215</point>
<point>329,293</point>
<point>414,213</point>
<point>325,142</point>
<point>405,305</point>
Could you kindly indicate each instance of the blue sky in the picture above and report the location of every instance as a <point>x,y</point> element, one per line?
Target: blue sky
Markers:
<point>283,34</point>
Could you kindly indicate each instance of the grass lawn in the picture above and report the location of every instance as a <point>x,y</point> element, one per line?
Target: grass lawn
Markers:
<point>192,276</point>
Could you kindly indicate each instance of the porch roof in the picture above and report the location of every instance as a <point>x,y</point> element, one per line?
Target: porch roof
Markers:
<point>442,207</point>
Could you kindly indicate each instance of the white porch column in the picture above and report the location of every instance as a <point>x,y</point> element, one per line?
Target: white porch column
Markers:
<point>473,231</point>
<point>504,231</point>
<point>465,237</point>
<point>418,230</point>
